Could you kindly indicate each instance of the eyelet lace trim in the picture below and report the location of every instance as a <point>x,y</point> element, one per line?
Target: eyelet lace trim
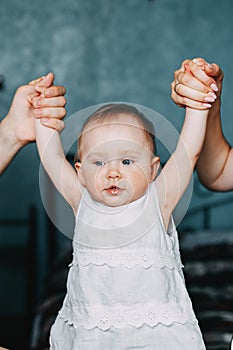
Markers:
<point>122,316</point>
<point>129,259</point>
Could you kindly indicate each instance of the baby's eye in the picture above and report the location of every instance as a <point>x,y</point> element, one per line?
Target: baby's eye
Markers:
<point>127,161</point>
<point>99,163</point>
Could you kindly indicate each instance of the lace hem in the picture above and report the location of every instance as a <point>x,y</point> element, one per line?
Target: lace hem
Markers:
<point>129,259</point>
<point>121,317</point>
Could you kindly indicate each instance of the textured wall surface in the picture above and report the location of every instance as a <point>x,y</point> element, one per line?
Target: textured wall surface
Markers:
<point>107,50</point>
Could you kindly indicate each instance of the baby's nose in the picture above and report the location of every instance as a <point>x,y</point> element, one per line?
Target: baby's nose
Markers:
<point>113,172</point>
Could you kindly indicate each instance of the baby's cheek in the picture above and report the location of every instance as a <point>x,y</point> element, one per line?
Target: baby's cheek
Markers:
<point>96,184</point>
<point>144,172</point>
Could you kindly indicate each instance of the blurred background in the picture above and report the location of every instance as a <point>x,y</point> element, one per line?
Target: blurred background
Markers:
<point>102,51</point>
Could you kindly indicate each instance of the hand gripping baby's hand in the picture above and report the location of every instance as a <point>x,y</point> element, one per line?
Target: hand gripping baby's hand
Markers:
<point>196,84</point>
<point>48,102</point>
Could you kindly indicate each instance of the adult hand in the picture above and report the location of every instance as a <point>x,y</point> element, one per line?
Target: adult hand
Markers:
<point>196,84</point>
<point>28,103</point>
<point>17,128</point>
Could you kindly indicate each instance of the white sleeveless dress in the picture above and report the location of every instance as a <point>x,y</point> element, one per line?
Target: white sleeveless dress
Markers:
<point>125,287</point>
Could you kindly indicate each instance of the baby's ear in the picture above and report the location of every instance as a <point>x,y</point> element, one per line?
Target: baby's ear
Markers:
<point>155,164</point>
<point>78,167</point>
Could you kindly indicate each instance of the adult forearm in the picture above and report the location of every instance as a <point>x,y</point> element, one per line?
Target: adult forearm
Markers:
<point>215,152</point>
<point>9,145</point>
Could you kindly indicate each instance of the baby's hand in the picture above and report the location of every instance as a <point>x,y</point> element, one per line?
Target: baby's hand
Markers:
<point>196,84</point>
<point>48,102</point>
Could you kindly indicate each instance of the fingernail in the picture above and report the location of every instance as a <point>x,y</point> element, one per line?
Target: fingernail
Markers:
<point>212,94</point>
<point>206,105</point>
<point>44,120</point>
<point>210,66</point>
<point>214,87</point>
<point>198,61</point>
<point>209,99</point>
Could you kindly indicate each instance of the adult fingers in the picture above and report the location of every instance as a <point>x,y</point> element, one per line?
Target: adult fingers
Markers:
<point>187,79</point>
<point>201,70</point>
<point>185,96</point>
<point>189,91</point>
<point>196,95</point>
<point>40,102</point>
<point>201,75</point>
<point>53,123</point>
<point>52,112</point>
<point>199,61</point>
<point>185,102</point>
<point>52,91</point>
<point>213,70</point>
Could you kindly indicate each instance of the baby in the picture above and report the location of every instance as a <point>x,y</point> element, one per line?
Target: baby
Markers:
<point>125,287</point>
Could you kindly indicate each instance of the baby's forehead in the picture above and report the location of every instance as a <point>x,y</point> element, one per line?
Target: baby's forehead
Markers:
<point>119,128</point>
<point>116,142</point>
<point>114,121</point>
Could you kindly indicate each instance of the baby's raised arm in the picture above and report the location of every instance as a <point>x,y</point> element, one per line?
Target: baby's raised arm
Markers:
<point>52,156</point>
<point>176,174</point>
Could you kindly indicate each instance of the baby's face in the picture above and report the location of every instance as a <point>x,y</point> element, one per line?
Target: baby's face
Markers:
<point>117,165</point>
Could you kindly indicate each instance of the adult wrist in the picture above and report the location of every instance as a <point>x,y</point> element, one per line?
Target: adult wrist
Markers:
<point>8,138</point>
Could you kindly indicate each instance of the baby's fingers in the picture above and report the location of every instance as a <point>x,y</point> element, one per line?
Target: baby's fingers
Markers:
<point>187,80</point>
<point>201,75</point>
<point>35,81</point>
<point>45,81</point>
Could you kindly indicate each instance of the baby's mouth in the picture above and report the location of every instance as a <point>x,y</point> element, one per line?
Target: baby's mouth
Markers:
<point>114,190</point>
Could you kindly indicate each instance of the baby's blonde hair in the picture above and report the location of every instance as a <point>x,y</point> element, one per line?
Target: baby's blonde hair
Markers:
<point>112,112</point>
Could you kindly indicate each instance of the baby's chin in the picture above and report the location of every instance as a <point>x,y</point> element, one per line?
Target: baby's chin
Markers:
<point>116,201</point>
<point>115,198</point>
